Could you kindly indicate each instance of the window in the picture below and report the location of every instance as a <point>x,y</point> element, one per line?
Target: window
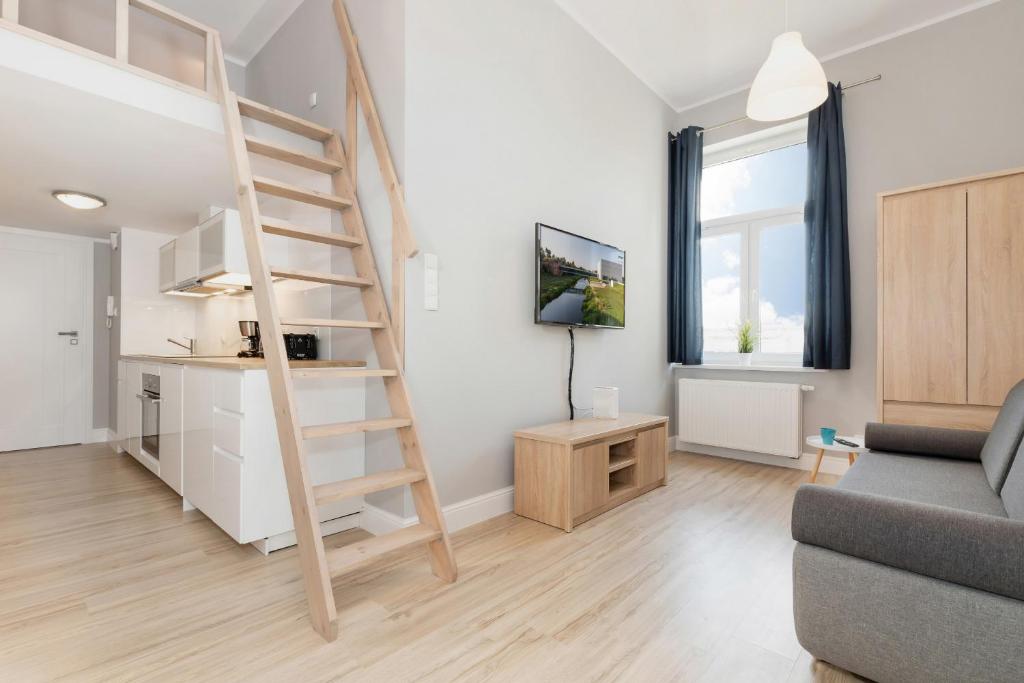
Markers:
<point>753,244</point>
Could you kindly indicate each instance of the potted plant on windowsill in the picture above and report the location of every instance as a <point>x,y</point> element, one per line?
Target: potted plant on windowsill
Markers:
<point>745,339</point>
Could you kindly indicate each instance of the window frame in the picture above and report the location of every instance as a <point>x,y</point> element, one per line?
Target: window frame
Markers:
<point>749,226</point>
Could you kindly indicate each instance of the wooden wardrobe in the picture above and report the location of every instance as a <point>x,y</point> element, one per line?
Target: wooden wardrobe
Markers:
<point>950,300</point>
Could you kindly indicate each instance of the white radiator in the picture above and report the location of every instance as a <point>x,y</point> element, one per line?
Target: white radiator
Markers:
<point>760,417</point>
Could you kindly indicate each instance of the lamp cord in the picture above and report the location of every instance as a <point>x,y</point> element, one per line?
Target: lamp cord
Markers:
<point>572,360</point>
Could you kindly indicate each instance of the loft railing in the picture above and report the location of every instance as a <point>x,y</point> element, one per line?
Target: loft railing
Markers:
<point>10,18</point>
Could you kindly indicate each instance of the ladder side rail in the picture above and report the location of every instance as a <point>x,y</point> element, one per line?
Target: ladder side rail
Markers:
<point>315,571</point>
<point>424,493</point>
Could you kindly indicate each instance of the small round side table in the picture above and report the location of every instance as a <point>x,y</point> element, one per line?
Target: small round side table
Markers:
<point>851,452</point>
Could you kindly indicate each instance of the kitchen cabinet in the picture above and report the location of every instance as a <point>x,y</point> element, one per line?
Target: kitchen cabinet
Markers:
<point>197,437</point>
<point>219,425</point>
<point>167,274</point>
<point>133,409</point>
<point>186,257</point>
<point>122,406</point>
<point>171,421</point>
<point>222,255</point>
<point>222,258</point>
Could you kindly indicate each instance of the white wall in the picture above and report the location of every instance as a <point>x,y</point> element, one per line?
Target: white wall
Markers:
<point>305,56</point>
<point>949,105</point>
<point>147,317</point>
<point>514,114</point>
<point>499,113</point>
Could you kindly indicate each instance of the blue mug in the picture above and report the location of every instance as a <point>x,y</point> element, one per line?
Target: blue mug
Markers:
<point>827,435</point>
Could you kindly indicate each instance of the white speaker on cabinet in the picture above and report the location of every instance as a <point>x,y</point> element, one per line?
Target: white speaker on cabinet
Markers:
<point>606,403</point>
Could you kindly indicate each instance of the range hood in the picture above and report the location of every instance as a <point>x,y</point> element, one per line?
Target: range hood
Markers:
<point>197,287</point>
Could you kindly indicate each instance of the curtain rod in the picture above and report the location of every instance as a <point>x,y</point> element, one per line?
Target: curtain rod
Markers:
<point>741,119</point>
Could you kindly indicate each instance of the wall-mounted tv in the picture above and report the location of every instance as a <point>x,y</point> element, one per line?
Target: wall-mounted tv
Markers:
<point>580,282</point>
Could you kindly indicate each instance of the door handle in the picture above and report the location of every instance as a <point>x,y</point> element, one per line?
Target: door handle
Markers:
<point>71,333</point>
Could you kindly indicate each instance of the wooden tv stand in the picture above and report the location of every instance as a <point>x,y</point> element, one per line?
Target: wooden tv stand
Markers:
<point>569,472</point>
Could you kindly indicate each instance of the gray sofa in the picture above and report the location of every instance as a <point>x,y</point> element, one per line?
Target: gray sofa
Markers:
<point>911,568</point>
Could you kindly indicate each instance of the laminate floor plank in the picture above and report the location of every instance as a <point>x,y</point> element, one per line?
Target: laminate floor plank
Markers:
<point>104,578</point>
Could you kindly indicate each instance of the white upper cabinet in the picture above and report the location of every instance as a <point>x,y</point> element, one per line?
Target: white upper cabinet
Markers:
<point>186,257</point>
<point>167,275</point>
<point>222,251</point>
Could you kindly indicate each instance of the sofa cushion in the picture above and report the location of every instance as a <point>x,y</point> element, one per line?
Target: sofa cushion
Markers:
<point>959,484</point>
<point>962,444</point>
<point>1005,438</point>
<point>1013,487</point>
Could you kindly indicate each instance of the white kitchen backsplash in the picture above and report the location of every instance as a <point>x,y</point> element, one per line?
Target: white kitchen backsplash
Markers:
<point>217,317</point>
<point>148,317</point>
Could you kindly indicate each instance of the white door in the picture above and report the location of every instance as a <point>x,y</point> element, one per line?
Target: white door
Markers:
<point>42,327</point>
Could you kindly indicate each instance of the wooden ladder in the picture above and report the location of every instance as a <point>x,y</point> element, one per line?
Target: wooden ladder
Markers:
<point>318,564</point>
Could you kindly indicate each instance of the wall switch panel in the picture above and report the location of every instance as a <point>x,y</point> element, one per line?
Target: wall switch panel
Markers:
<point>431,299</point>
<point>313,100</point>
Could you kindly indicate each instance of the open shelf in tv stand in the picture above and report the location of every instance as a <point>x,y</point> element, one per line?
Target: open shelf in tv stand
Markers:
<point>569,472</point>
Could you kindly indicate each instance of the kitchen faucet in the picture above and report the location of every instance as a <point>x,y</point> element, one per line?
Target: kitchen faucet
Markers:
<point>191,346</point>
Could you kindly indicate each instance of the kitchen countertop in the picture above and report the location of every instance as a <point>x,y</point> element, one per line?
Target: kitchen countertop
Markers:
<point>234,363</point>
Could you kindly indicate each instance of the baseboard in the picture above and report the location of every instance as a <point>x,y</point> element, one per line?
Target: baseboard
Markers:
<point>287,539</point>
<point>98,435</point>
<point>378,521</point>
<point>456,516</point>
<point>830,464</point>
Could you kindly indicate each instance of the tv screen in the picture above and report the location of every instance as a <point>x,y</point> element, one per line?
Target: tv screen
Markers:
<point>580,282</point>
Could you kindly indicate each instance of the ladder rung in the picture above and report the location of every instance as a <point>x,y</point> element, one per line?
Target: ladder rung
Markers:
<point>325,278</point>
<point>341,428</point>
<point>329,322</point>
<point>261,112</point>
<point>338,373</point>
<point>300,194</point>
<point>346,558</point>
<point>274,226</point>
<point>291,156</point>
<point>381,481</point>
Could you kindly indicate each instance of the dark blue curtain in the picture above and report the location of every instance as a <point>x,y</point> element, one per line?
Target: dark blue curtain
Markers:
<point>685,323</point>
<point>827,319</point>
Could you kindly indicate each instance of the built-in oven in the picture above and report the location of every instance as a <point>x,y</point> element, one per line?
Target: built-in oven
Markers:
<point>150,399</point>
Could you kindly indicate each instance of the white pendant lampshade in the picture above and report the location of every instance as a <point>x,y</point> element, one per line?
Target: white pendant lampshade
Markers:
<point>791,81</point>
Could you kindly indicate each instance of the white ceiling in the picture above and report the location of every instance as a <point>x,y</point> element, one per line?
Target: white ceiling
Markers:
<point>245,25</point>
<point>156,173</point>
<point>693,51</point>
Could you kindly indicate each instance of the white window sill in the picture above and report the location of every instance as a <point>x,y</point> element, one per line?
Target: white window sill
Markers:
<point>746,368</point>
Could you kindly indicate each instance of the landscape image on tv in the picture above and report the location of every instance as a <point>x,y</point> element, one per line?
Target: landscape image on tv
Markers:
<point>579,281</point>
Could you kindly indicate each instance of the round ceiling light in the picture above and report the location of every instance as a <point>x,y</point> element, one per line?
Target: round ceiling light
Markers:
<point>79,200</point>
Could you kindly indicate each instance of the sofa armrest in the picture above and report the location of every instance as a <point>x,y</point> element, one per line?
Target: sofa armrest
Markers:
<point>959,444</point>
<point>968,548</point>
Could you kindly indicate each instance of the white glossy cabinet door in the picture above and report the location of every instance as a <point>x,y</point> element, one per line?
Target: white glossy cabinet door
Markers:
<point>171,423</point>
<point>186,256</point>
<point>133,409</point>
<point>122,406</point>
<point>197,437</point>
<point>229,452</point>
<point>167,274</point>
<point>222,250</point>
<point>222,257</point>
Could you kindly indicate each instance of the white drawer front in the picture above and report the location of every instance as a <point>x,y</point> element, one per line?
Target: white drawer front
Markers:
<point>227,432</point>
<point>227,391</point>
<point>227,491</point>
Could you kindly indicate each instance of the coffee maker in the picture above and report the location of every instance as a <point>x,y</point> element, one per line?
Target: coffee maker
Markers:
<point>251,345</point>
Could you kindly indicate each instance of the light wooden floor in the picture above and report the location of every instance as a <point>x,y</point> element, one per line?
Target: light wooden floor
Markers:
<point>104,578</point>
